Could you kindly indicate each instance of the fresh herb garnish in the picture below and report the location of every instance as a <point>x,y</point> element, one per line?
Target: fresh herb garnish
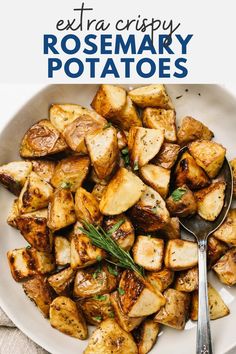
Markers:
<point>111,314</point>
<point>125,151</point>
<point>98,318</point>
<point>136,167</point>
<point>97,271</point>
<point>116,226</point>
<point>100,297</point>
<point>66,185</point>
<point>121,291</point>
<point>125,156</point>
<point>178,194</point>
<point>112,270</point>
<point>108,125</point>
<point>98,258</point>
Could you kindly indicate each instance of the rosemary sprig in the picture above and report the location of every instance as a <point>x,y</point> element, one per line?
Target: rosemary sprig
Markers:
<point>103,240</point>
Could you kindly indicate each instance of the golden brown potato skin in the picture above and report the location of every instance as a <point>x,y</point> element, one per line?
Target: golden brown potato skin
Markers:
<point>227,231</point>
<point>171,230</point>
<point>161,280</point>
<point>187,280</point>
<point>14,212</point>
<point>151,96</point>
<point>86,207</point>
<point>215,249</point>
<point>13,175</point>
<point>128,117</point>
<point>233,165</point>
<point>96,310</point>
<point>180,255</point>
<point>192,129</point>
<point>146,335</point>
<point>62,281</point>
<point>225,267</point>
<point>167,155</point>
<point>44,168</point>
<point>183,207</point>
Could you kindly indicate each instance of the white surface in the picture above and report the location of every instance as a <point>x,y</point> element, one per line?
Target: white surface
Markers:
<point>215,106</point>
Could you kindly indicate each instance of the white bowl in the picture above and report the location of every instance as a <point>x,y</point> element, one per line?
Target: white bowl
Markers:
<point>209,103</point>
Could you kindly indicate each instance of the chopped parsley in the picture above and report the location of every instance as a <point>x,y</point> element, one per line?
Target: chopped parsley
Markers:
<point>99,258</point>
<point>98,318</point>
<point>66,185</point>
<point>116,226</point>
<point>112,270</point>
<point>125,151</point>
<point>178,194</point>
<point>100,297</point>
<point>111,314</point>
<point>108,125</point>
<point>121,291</point>
<point>136,166</point>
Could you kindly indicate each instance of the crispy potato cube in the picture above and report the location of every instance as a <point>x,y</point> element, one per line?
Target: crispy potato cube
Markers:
<point>144,144</point>
<point>67,318</point>
<point>217,307</point>
<point>150,213</point>
<point>94,281</point>
<point>181,255</point>
<point>62,281</point>
<point>103,150</point>
<point>233,166</point>
<point>35,194</point>
<point>95,311</point>
<point>124,321</point>
<point>124,235</point>
<point>33,226</point>
<point>39,291</point>
<point>156,177</point>
<point>128,117</point>
<point>13,175</point>
<point>71,172</point>
<point>192,129</point>
<point>151,96</point>
<point>122,139</point>
<point>109,337</point>
<point>109,100</point>
<point>98,191</point>
<point>42,139</point>
<point>62,248</point>
<point>167,155</point>
<point>215,249</point>
<point>227,231</point>
<point>171,230</point>
<point>146,336</point>
<point>182,202</point>
<point>87,207</point>
<point>188,172</point>
<point>175,311</point>
<point>44,168</point>
<point>160,280</point>
<point>225,267</point>
<point>14,212</point>
<point>210,200</point>
<point>148,252</point>
<point>161,118</point>
<point>138,297</point>
<point>187,280</point>
<point>209,155</point>
<point>123,191</point>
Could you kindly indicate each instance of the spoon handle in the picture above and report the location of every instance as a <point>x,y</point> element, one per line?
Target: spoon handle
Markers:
<point>204,345</point>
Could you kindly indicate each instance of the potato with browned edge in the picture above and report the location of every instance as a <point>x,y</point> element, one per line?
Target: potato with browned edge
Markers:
<point>187,280</point>
<point>62,281</point>
<point>87,207</point>
<point>182,202</point>
<point>227,231</point>
<point>192,129</point>
<point>215,250</point>
<point>96,309</point>
<point>233,166</point>
<point>167,155</point>
<point>148,252</point>
<point>225,267</point>
<point>180,254</point>
<point>156,177</point>
<point>151,96</point>
<point>13,175</point>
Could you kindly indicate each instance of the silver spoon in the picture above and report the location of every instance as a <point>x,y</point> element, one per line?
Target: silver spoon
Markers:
<point>201,229</point>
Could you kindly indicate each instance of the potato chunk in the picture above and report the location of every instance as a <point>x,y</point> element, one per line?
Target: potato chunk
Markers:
<point>225,267</point>
<point>103,150</point>
<point>44,168</point>
<point>181,255</point>
<point>67,318</point>
<point>167,155</point>
<point>39,291</point>
<point>187,280</point>
<point>217,307</point>
<point>96,310</point>
<point>210,200</point>
<point>182,202</point>
<point>14,212</point>
<point>109,337</point>
<point>209,155</point>
<point>35,194</point>
<point>128,117</point>
<point>109,100</point>
<point>161,280</point>
<point>137,297</point>
<point>13,175</point>
<point>151,96</point>
<point>33,226</point>
<point>150,213</point>
<point>161,118</point>
<point>123,191</point>
<point>87,207</point>
<point>171,230</point>
<point>62,281</point>
<point>62,250</point>
<point>215,249</point>
<point>71,172</point>
<point>188,172</point>
<point>175,311</point>
<point>42,139</point>
<point>98,191</point>
<point>146,336</point>
<point>144,144</point>
<point>148,252</point>
<point>192,129</point>
<point>156,177</point>
<point>227,231</point>
<point>233,166</point>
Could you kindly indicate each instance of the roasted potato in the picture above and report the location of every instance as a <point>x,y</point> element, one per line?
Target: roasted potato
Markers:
<point>215,249</point>
<point>13,175</point>
<point>161,118</point>
<point>128,117</point>
<point>39,291</point>
<point>122,139</point>
<point>233,166</point>
<point>62,250</point>
<point>182,202</point>
<point>14,212</point>
<point>156,177</point>
<point>33,226</point>
<point>109,337</point>
<point>167,155</point>
<point>124,235</point>
<point>144,144</point>
<point>188,172</point>
<point>181,255</point>
<point>94,178</point>
<point>98,191</point>
<point>123,191</point>
<point>44,168</point>
<point>225,267</point>
<point>187,280</point>
<point>160,280</point>
<point>35,194</point>
<point>148,252</point>
<point>227,231</point>
<point>62,281</point>
<point>137,296</point>
<point>151,96</point>
<point>94,281</point>
<point>146,336</point>
<point>25,262</point>
<point>67,318</point>
<point>87,207</point>
<point>217,307</point>
<point>210,200</point>
<point>192,129</point>
<point>209,155</point>
<point>109,101</point>
<point>96,310</point>
<point>171,230</point>
<point>71,172</point>
<point>103,150</point>
<point>175,311</point>
<point>150,213</point>
<point>42,139</point>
